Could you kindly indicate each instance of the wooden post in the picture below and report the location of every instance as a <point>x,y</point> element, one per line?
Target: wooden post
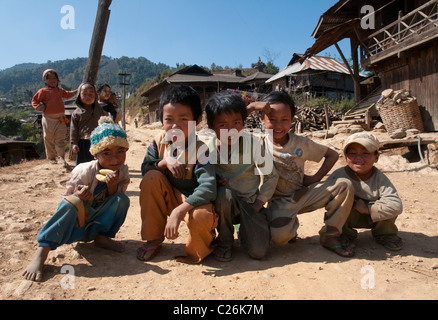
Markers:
<point>355,57</point>
<point>327,118</point>
<point>353,74</point>
<point>97,41</point>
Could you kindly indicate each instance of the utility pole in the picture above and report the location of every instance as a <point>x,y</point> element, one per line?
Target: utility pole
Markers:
<point>97,41</point>
<point>124,84</point>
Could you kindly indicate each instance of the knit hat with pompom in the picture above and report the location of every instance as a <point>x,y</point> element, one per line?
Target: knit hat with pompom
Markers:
<point>107,136</point>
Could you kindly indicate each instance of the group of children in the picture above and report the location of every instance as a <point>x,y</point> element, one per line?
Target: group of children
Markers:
<point>254,181</point>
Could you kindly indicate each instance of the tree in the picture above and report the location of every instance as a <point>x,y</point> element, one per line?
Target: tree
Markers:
<point>9,126</point>
<point>271,68</point>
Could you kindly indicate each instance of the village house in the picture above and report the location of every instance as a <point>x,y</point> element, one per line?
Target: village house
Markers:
<point>12,152</point>
<point>315,77</point>
<point>207,84</point>
<point>395,39</point>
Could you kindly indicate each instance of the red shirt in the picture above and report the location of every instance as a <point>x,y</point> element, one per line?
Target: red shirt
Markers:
<point>52,99</point>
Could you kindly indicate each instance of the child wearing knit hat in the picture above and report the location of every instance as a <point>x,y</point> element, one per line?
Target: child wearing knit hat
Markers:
<point>377,203</point>
<point>94,206</point>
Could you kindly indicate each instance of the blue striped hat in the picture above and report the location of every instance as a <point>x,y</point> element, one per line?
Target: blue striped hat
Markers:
<point>107,136</point>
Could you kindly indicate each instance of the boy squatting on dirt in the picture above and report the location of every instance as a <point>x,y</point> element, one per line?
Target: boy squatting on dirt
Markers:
<point>241,192</point>
<point>377,203</point>
<point>173,190</point>
<point>91,209</point>
<point>297,193</point>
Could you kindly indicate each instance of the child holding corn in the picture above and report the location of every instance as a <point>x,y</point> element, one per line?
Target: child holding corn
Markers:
<point>94,206</point>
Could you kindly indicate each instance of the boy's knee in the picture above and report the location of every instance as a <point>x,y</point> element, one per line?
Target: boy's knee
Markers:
<point>343,185</point>
<point>123,199</point>
<point>150,178</point>
<point>258,253</point>
<point>202,217</point>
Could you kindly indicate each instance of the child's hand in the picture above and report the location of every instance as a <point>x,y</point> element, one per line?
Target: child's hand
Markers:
<point>361,207</point>
<point>264,107</point>
<point>112,179</point>
<point>177,169</point>
<point>41,108</point>
<point>83,193</point>
<point>75,148</point>
<point>221,181</point>
<point>172,225</point>
<point>257,205</point>
<point>177,215</point>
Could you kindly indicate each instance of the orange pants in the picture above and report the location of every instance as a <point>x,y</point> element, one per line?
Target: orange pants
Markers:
<point>157,200</point>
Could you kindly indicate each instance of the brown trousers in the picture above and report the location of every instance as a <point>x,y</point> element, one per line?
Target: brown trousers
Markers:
<point>157,200</point>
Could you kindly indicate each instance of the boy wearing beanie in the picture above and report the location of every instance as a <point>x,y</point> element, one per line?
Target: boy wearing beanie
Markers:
<point>94,206</point>
<point>377,203</point>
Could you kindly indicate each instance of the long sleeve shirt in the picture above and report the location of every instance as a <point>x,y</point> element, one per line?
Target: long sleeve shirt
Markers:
<point>85,174</point>
<point>378,189</point>
<point>249,171</point>
<point>83,122</point>
<point>199,185</point>
<point>51,98</point>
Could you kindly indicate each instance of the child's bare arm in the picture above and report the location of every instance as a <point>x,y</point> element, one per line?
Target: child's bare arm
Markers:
<point>331,157</point>
<point>264,107</point>
<point>177,169</point>
<point>174,220</point>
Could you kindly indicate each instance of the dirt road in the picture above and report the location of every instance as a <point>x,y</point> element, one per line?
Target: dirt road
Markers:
<point>29,194</point>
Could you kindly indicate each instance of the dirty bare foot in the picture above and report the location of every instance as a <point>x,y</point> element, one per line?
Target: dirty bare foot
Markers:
<point>34,270</point>
<point>107,243</point>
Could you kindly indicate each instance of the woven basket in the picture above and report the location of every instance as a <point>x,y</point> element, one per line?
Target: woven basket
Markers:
<point>401,116</point>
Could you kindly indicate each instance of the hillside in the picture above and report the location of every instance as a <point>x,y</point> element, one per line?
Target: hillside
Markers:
<point>21,82</point>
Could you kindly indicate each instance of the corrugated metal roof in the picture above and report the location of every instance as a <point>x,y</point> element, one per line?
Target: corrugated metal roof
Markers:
<point>313,63</point>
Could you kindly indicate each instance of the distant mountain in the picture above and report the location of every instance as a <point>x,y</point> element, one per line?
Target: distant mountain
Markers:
<point>22,81</point>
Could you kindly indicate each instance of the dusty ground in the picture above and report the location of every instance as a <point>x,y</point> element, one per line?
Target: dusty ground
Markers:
<point>29,194</point>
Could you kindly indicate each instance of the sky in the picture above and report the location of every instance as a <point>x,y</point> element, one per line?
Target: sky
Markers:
<point>229,33</point>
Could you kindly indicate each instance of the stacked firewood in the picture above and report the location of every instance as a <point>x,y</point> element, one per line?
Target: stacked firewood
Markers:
<point>314,118</point>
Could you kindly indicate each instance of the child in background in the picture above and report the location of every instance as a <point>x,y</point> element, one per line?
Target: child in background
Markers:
<point>377,203</point>
<point>243,186</point>
<point>84,120</point>
<point>91,209</point>
<point>113,101</point>
<point>296,192</point>
<point>175,188</point>
<point>49,101</point>
<point>104,95</point>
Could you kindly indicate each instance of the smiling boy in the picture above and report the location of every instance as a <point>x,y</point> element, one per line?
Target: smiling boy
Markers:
<point>244,186</point>
<point>296,192</point>
<point>377,203</point>
<point>177,186</point>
